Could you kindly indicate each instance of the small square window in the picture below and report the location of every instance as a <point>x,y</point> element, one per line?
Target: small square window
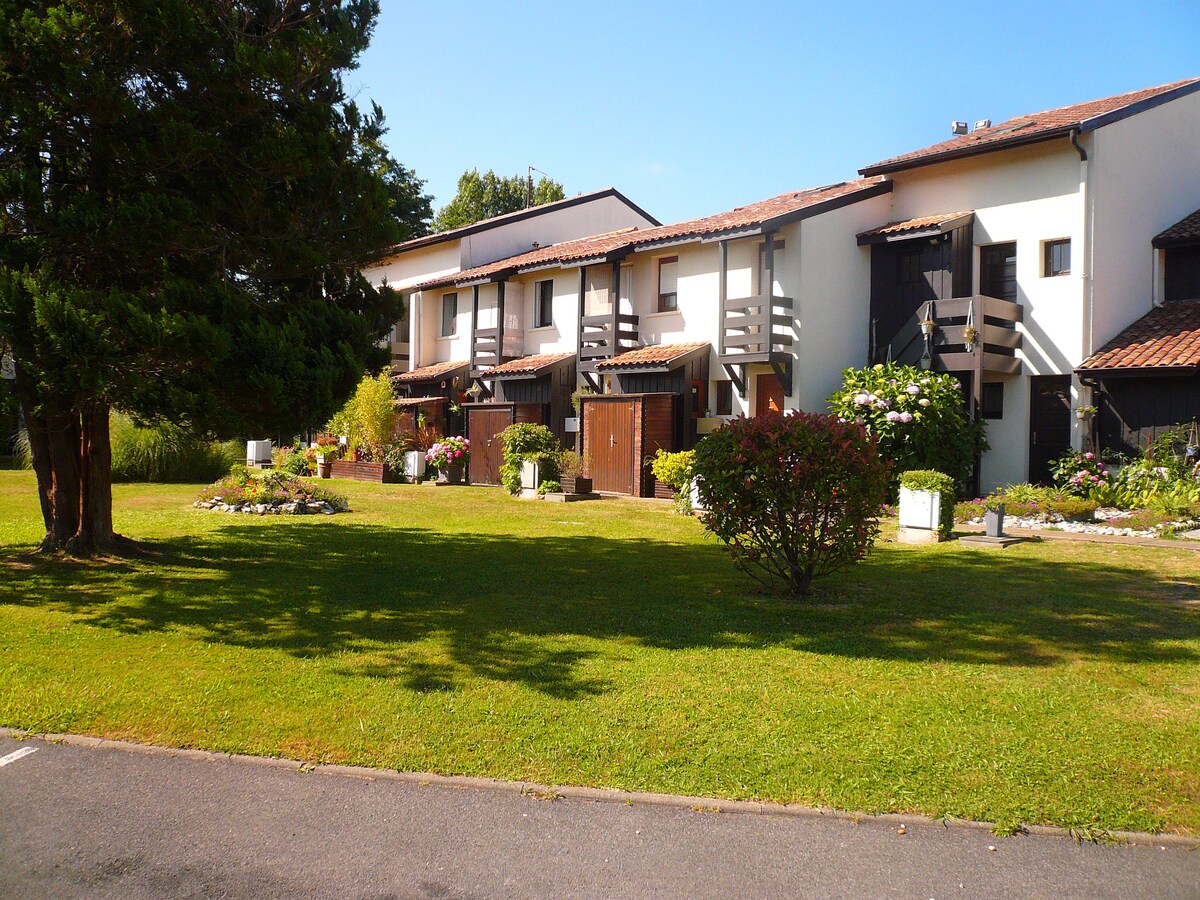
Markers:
<point>724,398</point>
<point>449,314</point>
<point>543,313</point>
<point>668,284</point>
<point>991,402</point>
<point>1057,259</point>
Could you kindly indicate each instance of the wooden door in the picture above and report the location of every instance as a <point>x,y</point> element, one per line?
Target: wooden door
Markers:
<point>608,433</point>
<point>768,394</point>
<point>487,452</point>
<point>1049,423</point>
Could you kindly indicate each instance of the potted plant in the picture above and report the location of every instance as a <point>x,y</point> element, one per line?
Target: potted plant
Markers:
<point>993,516</point>
<point>970,335</point>
<point>1083,413</point>
<point>926,506</point>
<point>449,456</point>
<point>571,467</point>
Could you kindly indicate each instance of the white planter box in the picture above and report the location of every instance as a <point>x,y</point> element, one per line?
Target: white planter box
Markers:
<point>258,453</point>
<point>571,426</point>
<point>529,475</point>
<point>920,516</point>
<point>414,465</point>
<point>694,490</point>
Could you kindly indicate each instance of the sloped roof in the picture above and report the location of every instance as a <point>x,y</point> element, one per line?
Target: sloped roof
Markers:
<point>1038,126</point>
<point>431,372</point>
<point>528,365</point>
<point>774,212</point>
<point>1185,231</point>
<point>655,357</point>
<point>912,227</point>
<point>405,402</point>
<point>1166,338</point>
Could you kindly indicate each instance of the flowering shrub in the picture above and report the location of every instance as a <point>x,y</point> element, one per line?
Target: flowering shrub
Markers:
<point>1071,509</point>
<point>793,497</point>
<point>524,441</point>
<point>1078,473</point>
<point>448,451</point>
<point>273,488</point>
<point>917,417</point>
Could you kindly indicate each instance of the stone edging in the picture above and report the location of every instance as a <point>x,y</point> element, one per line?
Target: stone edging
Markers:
<point>596,795</point>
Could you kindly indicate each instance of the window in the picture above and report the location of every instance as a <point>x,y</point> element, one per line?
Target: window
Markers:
<point>998,271</point>
<point>991,401</point>
<point>1056,258</point>
<point>449,314</point>
<point>543,304</point>
<point>724,399</point>
<point>668,284</point>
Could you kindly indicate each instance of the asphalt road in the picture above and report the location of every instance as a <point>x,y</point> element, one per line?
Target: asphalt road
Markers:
<point>101,822</point>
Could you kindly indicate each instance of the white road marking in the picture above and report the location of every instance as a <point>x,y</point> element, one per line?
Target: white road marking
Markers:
<point>15,755</point>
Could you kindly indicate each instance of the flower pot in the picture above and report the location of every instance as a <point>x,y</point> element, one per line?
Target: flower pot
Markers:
<point>576,484</point>
<point>993,521</point>
<point>450,475</point>
<point>324,469</point>
<point>531,475</point>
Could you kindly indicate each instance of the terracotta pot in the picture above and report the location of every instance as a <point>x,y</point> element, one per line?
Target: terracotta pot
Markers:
<point>324,469</point>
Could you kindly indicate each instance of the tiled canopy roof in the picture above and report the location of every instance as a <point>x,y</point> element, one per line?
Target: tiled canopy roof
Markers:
<point>404,402</point>
<point>650,357</point>
<point>1185,231</point>
<point>913,226</point>
<point>1038,126</point>
<point>528,365</point>
<point>431,372</point>
<point>777,210</point>
<point>1168,337</point>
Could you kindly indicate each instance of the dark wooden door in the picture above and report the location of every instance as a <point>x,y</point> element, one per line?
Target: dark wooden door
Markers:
<point>608,430</point>
<point>487,453</point>
<point>1049,423</point>
<point>768,394</point>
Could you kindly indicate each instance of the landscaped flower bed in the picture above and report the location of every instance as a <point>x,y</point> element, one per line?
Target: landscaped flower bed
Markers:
<point>275,494</point>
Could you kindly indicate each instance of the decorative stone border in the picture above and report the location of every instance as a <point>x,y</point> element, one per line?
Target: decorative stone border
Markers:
<point>275,508</point>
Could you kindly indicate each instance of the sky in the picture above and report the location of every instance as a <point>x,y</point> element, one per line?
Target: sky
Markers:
<point>694,108</point>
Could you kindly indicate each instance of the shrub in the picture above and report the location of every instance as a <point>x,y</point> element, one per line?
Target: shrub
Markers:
<point>1072,509</point>
<point>935,482</point>
<point>291,461</point>
<point>448,451</point>
<point>1079,473</point>
<point>917,417</point>
<point>673,469</point>
<point>270,488</point>
<point>793,497</point>
<point>368,420</point>
<point>570,464</point>
<point>525,441</point>
<point>167,453</point>
<point>393,455</point>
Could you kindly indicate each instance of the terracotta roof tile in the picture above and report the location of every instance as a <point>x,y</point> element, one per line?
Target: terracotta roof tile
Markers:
<point>431,372</point>
<point>1167,337</point>
<point>649,357</point>
<point>909,225</point>
<point>528,365</point>
<point>1185,231</point>
<point>1036,126</point>
<point>749,216</point>
<point>404,402</point>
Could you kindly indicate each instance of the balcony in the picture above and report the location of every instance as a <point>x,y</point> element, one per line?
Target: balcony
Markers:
<point>485,350</point>
<point>605,336</point>
<point>988,321</point>
<point>752,330</point>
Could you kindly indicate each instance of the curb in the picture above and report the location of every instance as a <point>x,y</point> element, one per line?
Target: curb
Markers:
<point>594,795</point>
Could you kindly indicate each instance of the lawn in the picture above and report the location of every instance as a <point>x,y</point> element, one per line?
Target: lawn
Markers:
<point>459,631</point>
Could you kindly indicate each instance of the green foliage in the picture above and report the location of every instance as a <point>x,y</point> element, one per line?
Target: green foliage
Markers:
<point>291,461</point>
<point>935,482</point>
<point>393,456</point>
<point>270,488</point>
<point>1071,509</point>
<point>793,497</point>
<point>522,442</point>
<point>549,486</point>
<point>570,464</point>
<point>1163,479</point>
<point>487,195</point>
<point>673,469</point>
<point>368,420</point>
<point>167,453</point>
<point>448,451</point>
<point>917,417</point>
<point>1079,473</point>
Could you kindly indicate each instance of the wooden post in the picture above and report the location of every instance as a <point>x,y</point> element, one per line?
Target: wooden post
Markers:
<point>474,327</point>
<point>500,323</point>
<point>722,292</point>
<point>616,306</point>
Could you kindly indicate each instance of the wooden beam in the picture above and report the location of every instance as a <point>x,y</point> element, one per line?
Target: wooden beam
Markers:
<point>722,291</point>
<point>474,324</point>
<point>500,322</point>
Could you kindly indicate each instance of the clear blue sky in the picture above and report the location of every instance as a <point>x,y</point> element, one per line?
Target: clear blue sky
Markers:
<point>694,108</point>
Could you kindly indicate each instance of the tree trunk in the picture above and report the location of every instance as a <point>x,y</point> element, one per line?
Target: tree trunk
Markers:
<point>95,512</point>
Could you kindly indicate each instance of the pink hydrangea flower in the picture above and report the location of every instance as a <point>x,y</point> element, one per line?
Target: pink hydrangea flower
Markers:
<point>913,389</point>
<point>924,401</point>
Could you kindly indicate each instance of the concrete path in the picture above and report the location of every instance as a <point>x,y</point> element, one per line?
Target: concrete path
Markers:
<point>79,821</point>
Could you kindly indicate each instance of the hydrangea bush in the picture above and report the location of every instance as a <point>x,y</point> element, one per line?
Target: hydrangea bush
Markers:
<point>1079,473</point>
<point>448,451</point>
<point>917,417</point>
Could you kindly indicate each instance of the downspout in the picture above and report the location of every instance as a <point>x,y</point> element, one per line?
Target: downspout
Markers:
<point>1085,253</point>
<point>414,330</point>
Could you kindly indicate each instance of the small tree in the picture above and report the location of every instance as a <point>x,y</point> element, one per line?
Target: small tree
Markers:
<point>918,418</point>
<point>487,195</point>
<point>793,497</point>
<point>368,420</point>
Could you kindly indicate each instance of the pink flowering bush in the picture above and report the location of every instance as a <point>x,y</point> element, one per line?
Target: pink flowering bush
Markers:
<point>919,418</point>
<point>448,451</point>
<point>792,497</point>
<point>1080,473</point>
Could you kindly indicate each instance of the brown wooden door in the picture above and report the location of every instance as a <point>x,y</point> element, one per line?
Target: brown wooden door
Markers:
<point>1049,423</point>
<point>487,452</point>
<point>608,432</point>
<point>768,394</point>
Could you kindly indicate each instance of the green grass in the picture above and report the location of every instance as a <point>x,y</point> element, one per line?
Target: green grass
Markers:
<point>460,631</point>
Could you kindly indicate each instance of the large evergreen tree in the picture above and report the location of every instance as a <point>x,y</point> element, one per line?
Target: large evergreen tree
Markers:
<point>186,199</point>
<point>483,196</point>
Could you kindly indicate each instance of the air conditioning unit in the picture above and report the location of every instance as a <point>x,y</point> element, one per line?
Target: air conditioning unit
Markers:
<point>258,453</point>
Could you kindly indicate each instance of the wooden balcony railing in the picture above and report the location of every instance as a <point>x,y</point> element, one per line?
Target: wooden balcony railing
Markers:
<point>485,349</point>
<point>947,348</point>
<point>752,330</point>
<point>605,336</point>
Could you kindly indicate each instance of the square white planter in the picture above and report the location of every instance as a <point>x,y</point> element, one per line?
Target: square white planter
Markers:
<point>529,475</point>
<point>414,465</point>
<point>920,517</point>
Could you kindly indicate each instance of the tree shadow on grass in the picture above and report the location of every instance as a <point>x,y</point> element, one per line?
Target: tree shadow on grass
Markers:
<point>430,608</point>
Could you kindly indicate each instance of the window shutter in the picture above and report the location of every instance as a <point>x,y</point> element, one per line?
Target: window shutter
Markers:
<point>668,277</point>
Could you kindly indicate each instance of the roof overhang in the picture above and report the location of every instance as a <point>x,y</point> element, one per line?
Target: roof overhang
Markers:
<point>1140,372</point>
<point>614,366</point>
<point>873,235</point>
<point>529,374</point>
